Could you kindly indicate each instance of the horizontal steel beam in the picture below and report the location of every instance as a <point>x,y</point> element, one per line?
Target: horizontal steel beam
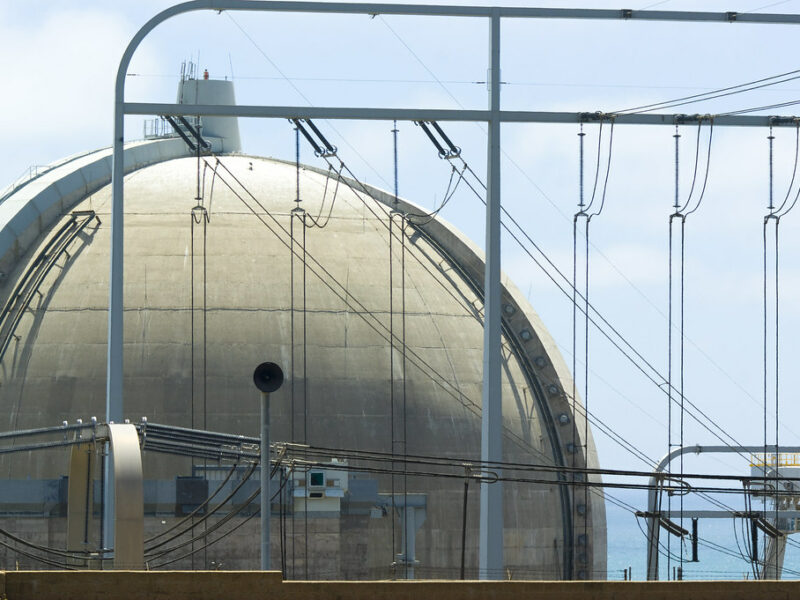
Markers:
<point>508,12</point>
<point>306,112</point>
<point>432,114</point>
<point>724,514</point>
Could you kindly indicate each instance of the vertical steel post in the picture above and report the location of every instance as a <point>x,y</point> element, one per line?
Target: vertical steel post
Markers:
<point>464,529</point>
<point>115,306</point>
<point>265,481</point>
<point>653,527</point>
<point>491,510</point>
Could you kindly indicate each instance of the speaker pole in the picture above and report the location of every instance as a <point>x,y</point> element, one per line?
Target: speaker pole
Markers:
<point>265,481</point>
<point>267,377</point>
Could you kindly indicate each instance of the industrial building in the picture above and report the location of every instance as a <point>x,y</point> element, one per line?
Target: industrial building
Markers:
<point>372,307</point>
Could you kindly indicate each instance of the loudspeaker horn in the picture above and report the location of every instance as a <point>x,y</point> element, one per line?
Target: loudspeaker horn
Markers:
<point>268,377</point>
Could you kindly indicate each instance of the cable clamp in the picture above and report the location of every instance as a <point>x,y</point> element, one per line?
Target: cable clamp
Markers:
<point>698,117</point>
<point>485,476</point>
<point>595,116</point>
<point>681,489</point>
<point>783,120</point>
<point>627,13</point>
<point>731,16</point>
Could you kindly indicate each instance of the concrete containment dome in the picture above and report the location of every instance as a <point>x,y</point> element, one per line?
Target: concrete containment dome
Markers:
<point>219,280</point>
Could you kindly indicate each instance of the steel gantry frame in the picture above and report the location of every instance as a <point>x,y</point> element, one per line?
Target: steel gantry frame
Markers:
<point>491,511</point>
<point>654,515</point>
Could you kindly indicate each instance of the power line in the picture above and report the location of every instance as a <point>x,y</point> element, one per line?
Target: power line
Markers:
<point>718,93</point>
<point>300,93</point>
<point>510,158</point>
<point>654,375</point>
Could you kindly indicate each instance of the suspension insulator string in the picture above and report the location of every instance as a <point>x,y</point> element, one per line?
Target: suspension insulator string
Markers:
<point>771,139</point>
<point>396,185</point>
<point>297,163</point>
<point>581,135</point>
<point>677,137</point>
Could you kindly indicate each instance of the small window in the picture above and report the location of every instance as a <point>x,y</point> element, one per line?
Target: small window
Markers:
<point>316,478</point>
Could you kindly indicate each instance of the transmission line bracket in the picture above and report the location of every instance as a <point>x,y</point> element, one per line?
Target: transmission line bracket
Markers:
<point>783,120</point>
<point>322,147</point>
<point>670,526</point>
<point>589,117</point>
<point>452,151</point>
<point>768,528</point>
<point>187,131</point>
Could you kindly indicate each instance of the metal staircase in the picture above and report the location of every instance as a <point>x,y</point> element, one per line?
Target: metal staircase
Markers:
<point>28,286</point>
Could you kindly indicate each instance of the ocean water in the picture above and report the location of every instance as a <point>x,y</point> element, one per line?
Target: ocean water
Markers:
<point>722,544</point>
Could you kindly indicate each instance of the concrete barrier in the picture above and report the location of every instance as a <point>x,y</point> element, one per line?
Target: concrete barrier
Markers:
<point>140,585</point>
<point>246,585</point>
